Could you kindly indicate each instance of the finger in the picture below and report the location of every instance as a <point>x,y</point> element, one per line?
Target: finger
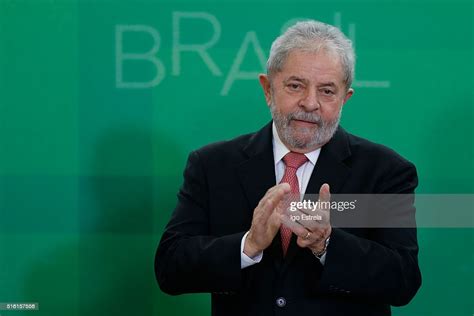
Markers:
<point>277,190</point>
<point>278,193</point>
<point>285,186</point>
<point>272,198</point>
<point>294,226</point>
<point>324,193</point>
<point>314,237</point>
<point>272,191</point>
<point>304,242</point>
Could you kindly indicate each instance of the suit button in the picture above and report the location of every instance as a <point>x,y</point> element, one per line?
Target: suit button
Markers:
<point>281,302</point>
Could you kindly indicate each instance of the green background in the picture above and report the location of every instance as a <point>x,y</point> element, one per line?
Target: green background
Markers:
<point>89,171</point>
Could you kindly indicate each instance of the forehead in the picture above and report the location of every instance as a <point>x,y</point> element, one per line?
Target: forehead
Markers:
<point>313,67</point>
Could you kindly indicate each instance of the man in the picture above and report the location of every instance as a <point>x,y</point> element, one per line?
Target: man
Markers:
<point>228,236</point>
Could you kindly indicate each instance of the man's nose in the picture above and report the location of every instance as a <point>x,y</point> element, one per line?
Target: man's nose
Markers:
<point>310,100</point>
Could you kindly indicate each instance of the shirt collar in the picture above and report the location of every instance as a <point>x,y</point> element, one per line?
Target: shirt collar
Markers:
<point>280,150</point>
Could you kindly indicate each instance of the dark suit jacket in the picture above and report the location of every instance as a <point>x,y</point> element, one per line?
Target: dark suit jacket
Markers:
<point>366,269</point>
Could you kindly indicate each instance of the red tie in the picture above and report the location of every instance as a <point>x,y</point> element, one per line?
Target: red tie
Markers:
<point>292,162</point>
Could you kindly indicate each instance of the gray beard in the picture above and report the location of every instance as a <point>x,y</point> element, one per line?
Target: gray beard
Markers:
<point>304,138</point>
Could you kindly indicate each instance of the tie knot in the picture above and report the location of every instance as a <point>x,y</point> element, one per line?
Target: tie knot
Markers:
<point>294,160</point>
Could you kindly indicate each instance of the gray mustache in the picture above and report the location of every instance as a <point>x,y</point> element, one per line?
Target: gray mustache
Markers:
<point>313,118</point>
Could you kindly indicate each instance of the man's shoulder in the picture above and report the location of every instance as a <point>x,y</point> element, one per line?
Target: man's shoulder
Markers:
<point>226,146</point>
<point>372,151</point>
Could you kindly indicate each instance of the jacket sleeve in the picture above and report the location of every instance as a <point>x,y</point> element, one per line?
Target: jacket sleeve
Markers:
<point>383,267</point>
<point>188,258</point>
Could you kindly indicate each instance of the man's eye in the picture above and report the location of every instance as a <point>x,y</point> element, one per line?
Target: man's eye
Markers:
<point>294,86</point>
<point>328,92</point>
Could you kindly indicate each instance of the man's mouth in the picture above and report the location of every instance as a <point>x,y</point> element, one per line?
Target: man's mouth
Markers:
<point>305,123</point>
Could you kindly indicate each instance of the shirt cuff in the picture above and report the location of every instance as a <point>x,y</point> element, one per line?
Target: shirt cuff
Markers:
<point>323,259</point>
<point>246,261</point>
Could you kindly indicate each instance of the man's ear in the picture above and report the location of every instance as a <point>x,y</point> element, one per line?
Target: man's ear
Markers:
<point>349,94</point>
<point>265,83</point>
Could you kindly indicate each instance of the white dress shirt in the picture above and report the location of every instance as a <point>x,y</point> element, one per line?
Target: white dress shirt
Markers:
<point>303,174</point>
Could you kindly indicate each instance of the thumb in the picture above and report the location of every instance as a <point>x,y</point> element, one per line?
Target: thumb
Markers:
<point>324,193</point>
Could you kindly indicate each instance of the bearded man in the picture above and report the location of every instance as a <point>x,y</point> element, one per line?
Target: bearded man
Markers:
<point>228,236</point>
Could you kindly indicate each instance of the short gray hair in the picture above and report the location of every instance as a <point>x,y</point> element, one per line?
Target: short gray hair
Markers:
<point>313,36</point>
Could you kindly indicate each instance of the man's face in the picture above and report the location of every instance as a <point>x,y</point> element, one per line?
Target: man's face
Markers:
<point>306,98</point>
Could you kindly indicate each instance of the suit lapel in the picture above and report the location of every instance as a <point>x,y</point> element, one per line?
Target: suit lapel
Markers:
<point>257,173</point>
<point>330,167</point>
